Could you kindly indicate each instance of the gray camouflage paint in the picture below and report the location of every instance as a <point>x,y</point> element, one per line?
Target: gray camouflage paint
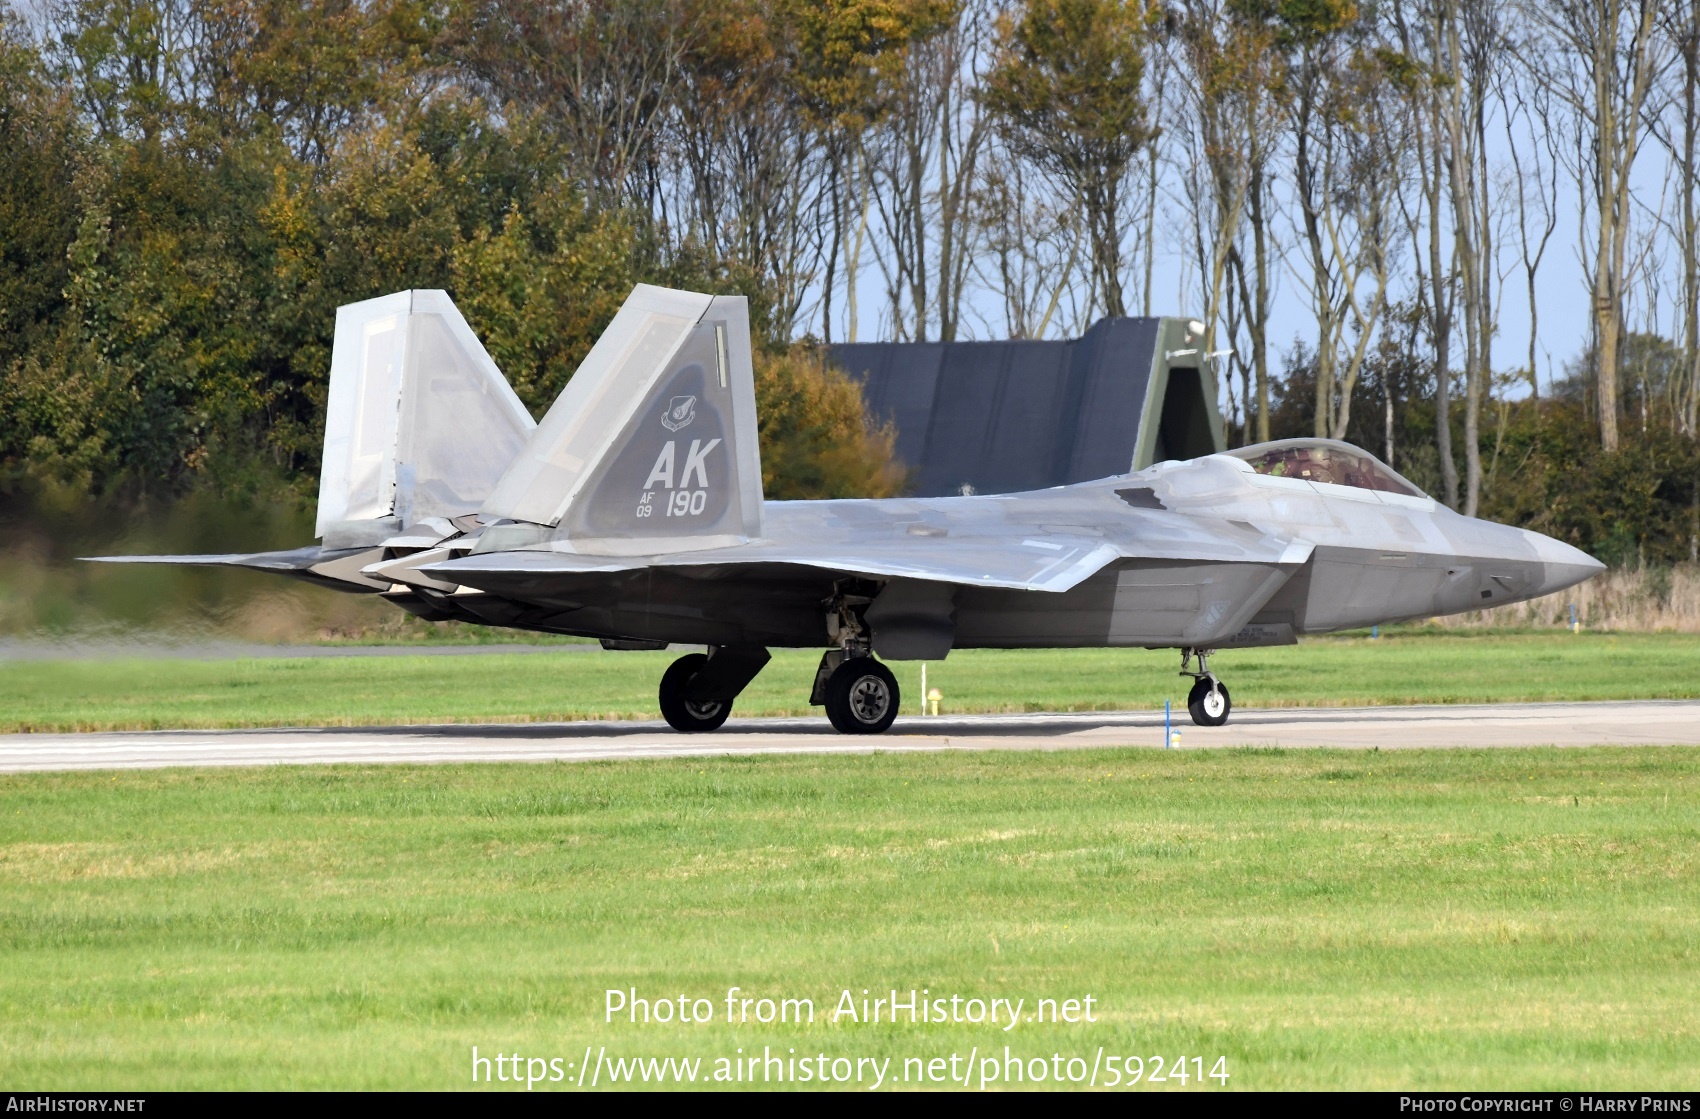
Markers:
<point>1228,560</point>
<point>633,513</point>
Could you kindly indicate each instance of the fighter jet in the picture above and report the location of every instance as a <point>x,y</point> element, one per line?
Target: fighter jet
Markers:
<point>633,513</point>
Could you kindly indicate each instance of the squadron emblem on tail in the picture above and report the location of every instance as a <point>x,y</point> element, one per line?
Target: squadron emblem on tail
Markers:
<point>681,410</point>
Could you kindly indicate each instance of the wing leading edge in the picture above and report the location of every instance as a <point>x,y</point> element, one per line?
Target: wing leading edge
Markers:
<point>1051,564</point>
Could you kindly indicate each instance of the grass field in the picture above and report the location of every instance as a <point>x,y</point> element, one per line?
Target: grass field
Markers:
<point>1411,668</point>
<point>1426,919</point>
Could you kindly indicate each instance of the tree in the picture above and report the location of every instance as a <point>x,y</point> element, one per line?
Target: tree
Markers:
<point>1349,156</point>
<point>1680,24</point>
<point>305,71</point>
<point>1603,60</point>
<point>1065,85</point>
<point>1236,73</point>
<point>1031,245</point>
<point>602,71</point>
<point>925,155</point>
<point>1452,47</point>
<point>1535,172</point>
<point>540,288</point>
<point>40,146</point>
<point>816,438</point>
<point>129,65</point>
<point>749,158</point>
<point>1436,281</point>
<point>849,53</point>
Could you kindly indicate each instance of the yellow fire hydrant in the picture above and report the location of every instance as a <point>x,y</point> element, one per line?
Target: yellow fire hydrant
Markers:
<point>933,698</point>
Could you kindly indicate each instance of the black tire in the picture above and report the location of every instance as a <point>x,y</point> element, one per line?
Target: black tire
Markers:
<point>1208,710</point>
<point>683,715</point>
<point>862,697</point>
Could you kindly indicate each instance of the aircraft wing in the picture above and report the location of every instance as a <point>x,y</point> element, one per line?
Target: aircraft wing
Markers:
<point>1047,563</point>
<point>1037,560</point>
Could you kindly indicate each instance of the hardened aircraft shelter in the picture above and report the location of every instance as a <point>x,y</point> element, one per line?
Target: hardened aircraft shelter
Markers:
<point>1003,417</point>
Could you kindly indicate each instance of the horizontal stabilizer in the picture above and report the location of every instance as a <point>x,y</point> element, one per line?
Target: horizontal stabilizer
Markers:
<point>337,568</point>
<point>652,446</point>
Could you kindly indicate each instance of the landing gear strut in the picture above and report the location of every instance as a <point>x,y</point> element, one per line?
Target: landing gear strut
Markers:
<point>1208,701</point>
<point>697,690</point>
<point>859,693</point>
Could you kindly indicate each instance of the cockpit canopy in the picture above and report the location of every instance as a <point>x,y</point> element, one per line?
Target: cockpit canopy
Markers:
<point>1327,461</point>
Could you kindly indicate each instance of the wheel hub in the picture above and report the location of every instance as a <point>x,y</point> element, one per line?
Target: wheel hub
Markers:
<point>869,699</point>
<point>705,710</point>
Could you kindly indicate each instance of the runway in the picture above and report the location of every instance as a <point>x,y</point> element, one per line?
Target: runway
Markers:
<point>1643,723</point>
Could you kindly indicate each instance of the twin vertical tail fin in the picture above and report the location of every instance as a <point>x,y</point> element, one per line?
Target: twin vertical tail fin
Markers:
<point>419,425</point>
<point>652,446</point>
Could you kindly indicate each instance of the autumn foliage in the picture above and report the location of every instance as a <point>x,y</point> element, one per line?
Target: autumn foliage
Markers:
<point>816,438</point>
<point>190,188</point>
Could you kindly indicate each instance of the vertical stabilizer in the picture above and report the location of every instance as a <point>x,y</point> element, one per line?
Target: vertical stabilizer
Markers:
<point>651,447</point>
<point>419,423</point>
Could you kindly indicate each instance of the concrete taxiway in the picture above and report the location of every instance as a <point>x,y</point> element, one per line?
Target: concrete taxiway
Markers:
<point>1645,723</point>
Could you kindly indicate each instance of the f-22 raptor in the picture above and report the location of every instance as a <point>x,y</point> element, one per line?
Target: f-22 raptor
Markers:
<point>634,513</point>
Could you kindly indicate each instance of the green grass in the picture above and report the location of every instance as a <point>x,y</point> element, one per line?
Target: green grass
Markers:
<point>1423,919</point>
<point>323,691</point>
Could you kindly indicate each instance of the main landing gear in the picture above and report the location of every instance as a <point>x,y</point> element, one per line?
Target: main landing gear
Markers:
<point>697,690</point>
<point>1208,701</point>
<point>859,693</point>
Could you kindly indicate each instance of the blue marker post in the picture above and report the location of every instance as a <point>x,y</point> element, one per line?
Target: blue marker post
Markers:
<point>1375,633</point>
<point>1575,626</point>
<point>1167,738</point>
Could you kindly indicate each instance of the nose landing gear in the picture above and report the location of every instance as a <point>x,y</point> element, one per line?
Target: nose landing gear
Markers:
<point>1208,701</point>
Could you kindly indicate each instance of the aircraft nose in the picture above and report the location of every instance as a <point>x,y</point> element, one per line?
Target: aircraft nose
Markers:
<point>1563,565</point>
